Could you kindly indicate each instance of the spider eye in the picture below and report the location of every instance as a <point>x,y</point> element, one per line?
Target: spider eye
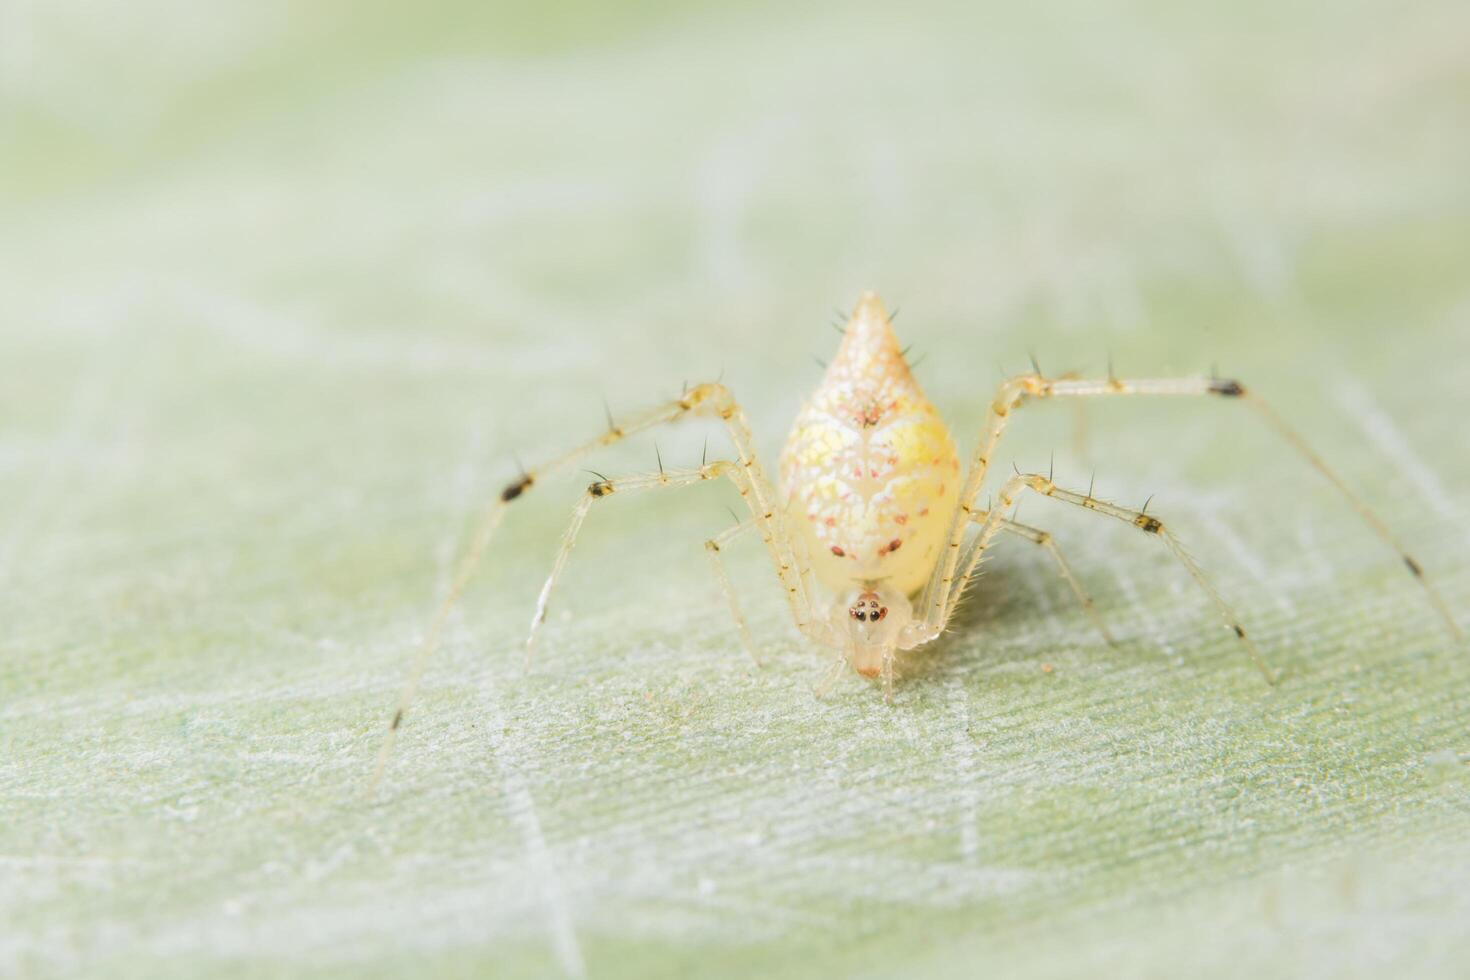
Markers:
<point>862,616</point>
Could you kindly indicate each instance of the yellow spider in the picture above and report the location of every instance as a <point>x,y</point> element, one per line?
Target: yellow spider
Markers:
<point>868,536</point>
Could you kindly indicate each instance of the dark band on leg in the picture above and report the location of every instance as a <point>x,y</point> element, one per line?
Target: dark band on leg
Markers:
<point>517,488</point>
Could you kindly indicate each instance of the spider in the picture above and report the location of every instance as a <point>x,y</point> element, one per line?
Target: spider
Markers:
<point>868,536</point>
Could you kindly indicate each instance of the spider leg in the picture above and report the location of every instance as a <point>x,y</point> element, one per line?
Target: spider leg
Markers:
<point>1044,540</point>
<point>1017,391</point>
<point>733,471</point>
<point>713,547</point>
<point>824,686</point>
<point>705,400</point>
<point>1036,483</point>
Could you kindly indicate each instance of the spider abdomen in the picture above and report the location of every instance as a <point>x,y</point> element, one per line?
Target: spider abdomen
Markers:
<point>869,472</point>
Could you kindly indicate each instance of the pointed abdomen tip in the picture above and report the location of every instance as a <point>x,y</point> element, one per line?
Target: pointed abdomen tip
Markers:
<point>869,306</point>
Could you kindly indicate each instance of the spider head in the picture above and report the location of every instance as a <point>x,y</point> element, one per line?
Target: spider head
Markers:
<point>871,622</point>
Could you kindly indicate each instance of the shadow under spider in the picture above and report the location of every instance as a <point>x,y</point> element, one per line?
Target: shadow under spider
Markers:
<point>992,601</point>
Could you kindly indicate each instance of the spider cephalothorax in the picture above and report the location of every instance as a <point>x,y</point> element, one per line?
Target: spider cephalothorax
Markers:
<point>873,623</point>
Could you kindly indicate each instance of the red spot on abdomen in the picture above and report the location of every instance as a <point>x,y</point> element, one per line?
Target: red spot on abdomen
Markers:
<point>838,552</point>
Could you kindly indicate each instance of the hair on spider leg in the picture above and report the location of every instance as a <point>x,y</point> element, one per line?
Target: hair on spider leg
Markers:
<point>820,363</point>
<point>520,484</point>
<point>607,412</point>
<point>1031,355</point>
<point>602,487</point>
<point>1227,387</point>
<point>1155,526</point>
<point>660,457</point>
<point>520,466</point>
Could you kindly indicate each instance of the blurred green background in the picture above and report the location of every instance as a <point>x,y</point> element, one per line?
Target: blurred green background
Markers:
<point>284,288</point>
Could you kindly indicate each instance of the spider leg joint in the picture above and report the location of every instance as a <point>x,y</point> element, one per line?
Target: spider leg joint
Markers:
<point>517,488</point>
<point>1150,524</point>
